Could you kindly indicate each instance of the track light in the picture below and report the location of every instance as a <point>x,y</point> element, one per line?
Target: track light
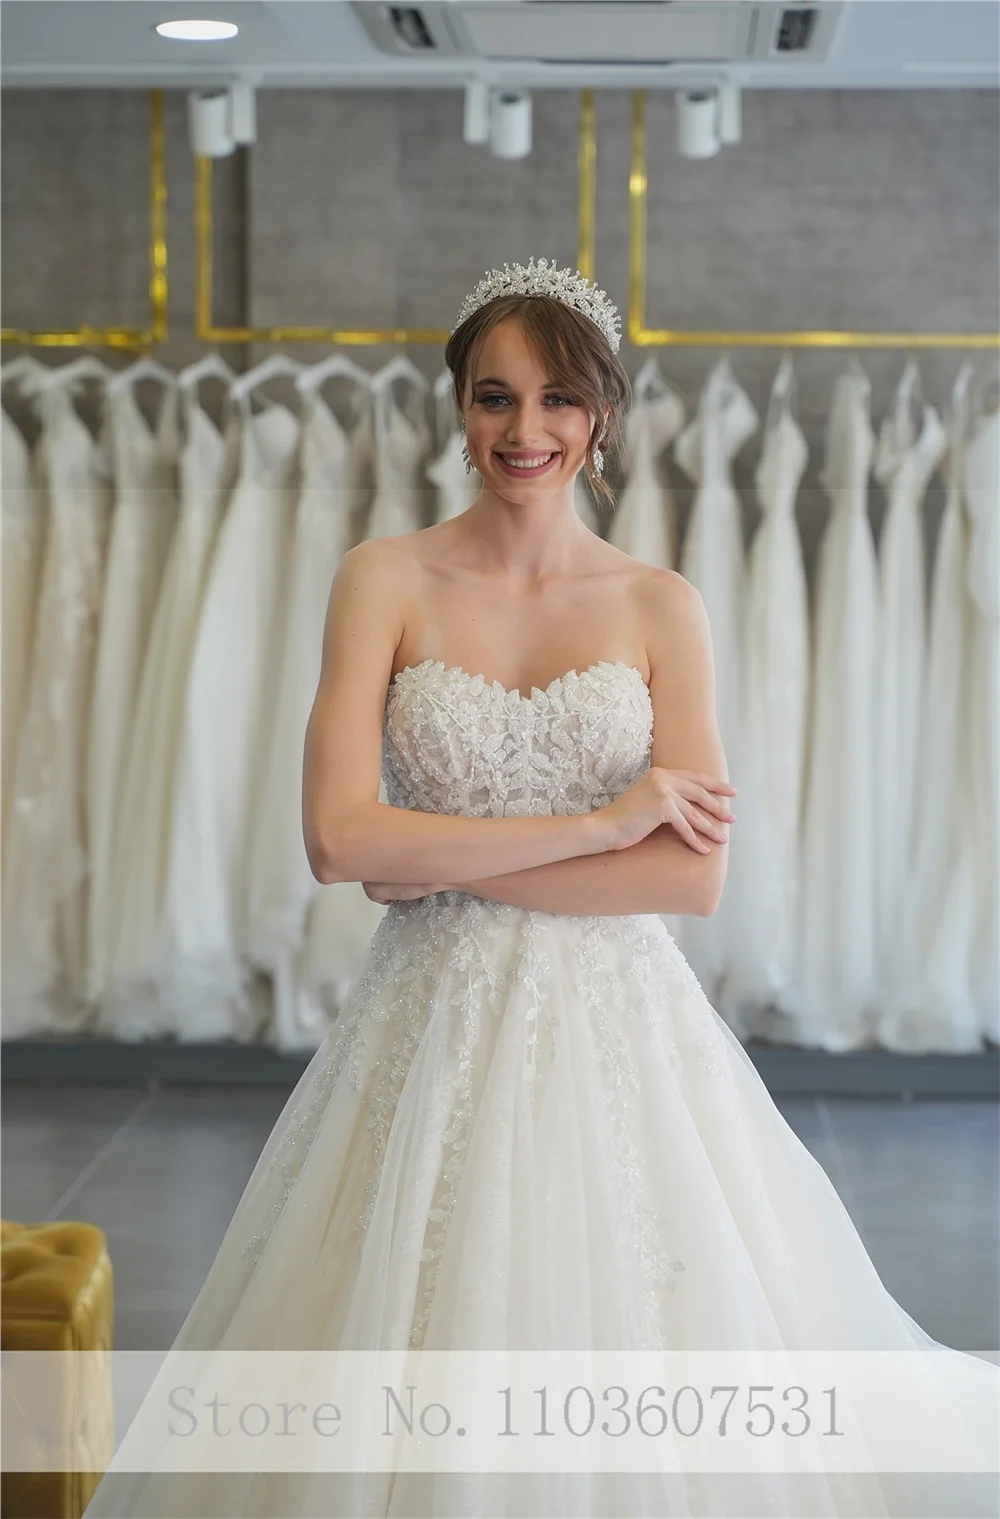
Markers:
<point>220,119</point>
<point>510,123</point>
<point>697,123</point>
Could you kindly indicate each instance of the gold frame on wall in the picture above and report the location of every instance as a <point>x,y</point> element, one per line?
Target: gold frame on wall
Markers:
<point>208,332</point>
<point>655,337</point>
<point>132,338</point>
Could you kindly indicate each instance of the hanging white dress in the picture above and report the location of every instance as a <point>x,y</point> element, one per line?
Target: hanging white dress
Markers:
<point>280,884</point>
<point>23,505</point>
<point>130,1008</point>
<point>531,1131</point>
<point>776,674</point>
<point>713,560</point>
<point>982,497</point>
<point>931,1007</point>
<point>904,463</point>
<point>834,983</point>
<point>45,859</point>
<point>144,513</point>
<point>644,522</point>
<point>228,713</point>
<point>402,440</point>
<point>456,489</point>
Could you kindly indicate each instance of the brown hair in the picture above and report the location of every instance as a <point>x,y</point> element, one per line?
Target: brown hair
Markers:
<point>576,354</point>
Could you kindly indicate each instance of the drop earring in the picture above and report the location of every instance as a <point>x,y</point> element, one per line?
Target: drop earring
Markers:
<point>599,460</point>
<point>465,453</point>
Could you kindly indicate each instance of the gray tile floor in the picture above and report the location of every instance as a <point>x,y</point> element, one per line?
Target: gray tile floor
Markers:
<point>161,1170</point>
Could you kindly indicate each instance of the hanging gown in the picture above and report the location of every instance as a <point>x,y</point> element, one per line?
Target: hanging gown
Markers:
<point>22,501</point>
<point>279,882</point>
<point>130,1008</point>
<point>713,560</point>
<point>931,1007</point>
<point>834,982</point>
<point>904,463</point>
<point>456,490</point>
<point>982,496</point>
<point>776,674</point>
<point>644,522</point>
<point>228,714</point>
<point>402,440</point>
<point>532,1131</point>
<point>144,514</point>
<point>44,920</point>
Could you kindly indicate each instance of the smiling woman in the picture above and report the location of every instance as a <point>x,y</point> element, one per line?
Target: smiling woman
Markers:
<point>576,417</point>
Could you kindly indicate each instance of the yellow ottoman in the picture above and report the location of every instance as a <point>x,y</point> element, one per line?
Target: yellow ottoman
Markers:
<point>56,1293</point>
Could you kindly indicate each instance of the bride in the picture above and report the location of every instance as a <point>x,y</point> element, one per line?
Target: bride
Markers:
<point>529,1130</point>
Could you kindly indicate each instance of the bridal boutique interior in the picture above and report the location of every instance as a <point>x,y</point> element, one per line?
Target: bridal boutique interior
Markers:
<point>226,296</point>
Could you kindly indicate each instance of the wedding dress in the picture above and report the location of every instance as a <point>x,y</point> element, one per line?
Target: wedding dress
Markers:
<point>402,440</point>
<point>280,885</point>
<point>982,724</point>
<point>456,489</point>
<point>532,1131</point>
<point>713,559</point>
<point>24,515</point>
<point>776,675</point>
<point>45,858</point>
<point>932,1007</point>
<point>130,1008</point>
<point>144,514</point>
<point>832,991</point>
<point>904,463</point>
<point>228,711</point>
<point>644,523</point>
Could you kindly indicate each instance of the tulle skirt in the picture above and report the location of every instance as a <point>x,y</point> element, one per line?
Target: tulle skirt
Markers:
<point>532,1132</point>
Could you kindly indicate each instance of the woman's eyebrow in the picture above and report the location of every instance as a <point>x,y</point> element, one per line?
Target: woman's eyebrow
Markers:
<point>549,384</point>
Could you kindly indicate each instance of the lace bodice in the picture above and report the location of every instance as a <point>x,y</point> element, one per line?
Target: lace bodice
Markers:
<point>459,744</point>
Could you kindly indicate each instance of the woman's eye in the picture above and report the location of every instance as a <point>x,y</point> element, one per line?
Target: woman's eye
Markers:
<point>486,400</point>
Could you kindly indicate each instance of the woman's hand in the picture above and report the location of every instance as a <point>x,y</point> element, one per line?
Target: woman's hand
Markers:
<point>686,800</point>
<point>405,891</point>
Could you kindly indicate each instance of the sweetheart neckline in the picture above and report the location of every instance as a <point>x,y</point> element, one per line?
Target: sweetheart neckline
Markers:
<point>557,680</point>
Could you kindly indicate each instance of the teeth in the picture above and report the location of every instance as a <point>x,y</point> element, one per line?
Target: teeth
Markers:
<point>527,463</point>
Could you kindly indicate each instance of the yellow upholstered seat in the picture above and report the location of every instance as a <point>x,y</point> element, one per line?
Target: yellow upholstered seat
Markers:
<point>56,1293</point>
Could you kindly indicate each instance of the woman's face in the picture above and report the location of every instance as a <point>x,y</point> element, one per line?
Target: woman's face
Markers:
<point>525,434</point>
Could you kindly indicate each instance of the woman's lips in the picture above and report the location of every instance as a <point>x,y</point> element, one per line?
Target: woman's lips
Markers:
<point>519,472</point>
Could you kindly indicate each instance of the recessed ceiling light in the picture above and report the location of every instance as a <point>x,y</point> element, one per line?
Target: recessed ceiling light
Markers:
<point>197,31</point>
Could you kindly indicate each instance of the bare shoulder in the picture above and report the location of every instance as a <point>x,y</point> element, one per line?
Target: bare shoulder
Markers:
<point>671,611</point>
<point>383,562</point>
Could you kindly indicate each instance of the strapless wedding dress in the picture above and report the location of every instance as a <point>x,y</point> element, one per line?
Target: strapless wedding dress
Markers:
<point>531,1131</point>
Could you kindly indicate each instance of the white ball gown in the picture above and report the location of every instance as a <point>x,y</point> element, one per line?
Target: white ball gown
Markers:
<point>45,852</point>
<point>142,522</point>
<point>130,1008</point>
<point>905,460</point>
<point>531,1131</point>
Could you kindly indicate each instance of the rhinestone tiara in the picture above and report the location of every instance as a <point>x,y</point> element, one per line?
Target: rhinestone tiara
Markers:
<point>541,277</point>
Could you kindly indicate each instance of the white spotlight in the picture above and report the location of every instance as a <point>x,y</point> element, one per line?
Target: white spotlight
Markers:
<point>697,123</point>
<point>210,124</point>
<point>476,127</point>
<point>510,124</point>
<point>197,31</point>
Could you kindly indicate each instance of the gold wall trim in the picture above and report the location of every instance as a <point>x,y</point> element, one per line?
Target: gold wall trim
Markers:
<point>208,332</point>
<point>133,338</point>
<point>662,337</point>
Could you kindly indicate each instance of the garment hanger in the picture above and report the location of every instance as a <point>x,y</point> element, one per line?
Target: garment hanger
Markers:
<point>142,369</point>
<point>276,364</point>
<point>782,392</point>
<point>53,377</point>
<point>649,382</point>
<point>399,367</point>
<point>23,367</point>
<point>315,375</point>
<point>212,365</point>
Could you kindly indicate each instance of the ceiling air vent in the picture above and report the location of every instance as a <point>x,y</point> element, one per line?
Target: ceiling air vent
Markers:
<point>411,28</point>
<point>795,29</point>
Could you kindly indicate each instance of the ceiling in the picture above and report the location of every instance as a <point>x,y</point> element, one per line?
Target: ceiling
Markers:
<point>878,44</point>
